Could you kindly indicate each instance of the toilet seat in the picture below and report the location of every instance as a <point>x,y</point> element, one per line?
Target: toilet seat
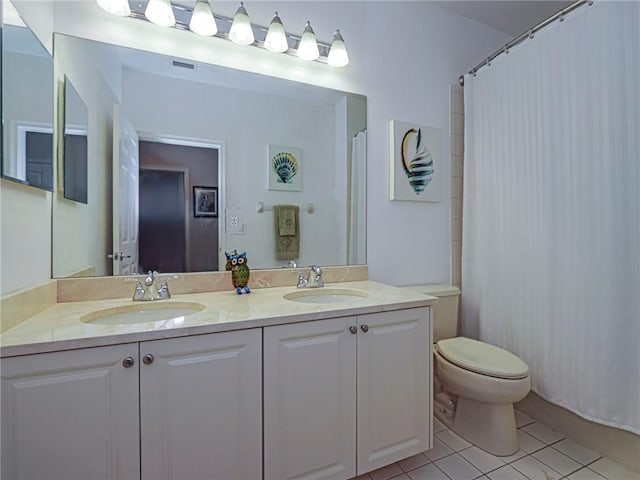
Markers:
<point>482,358</point>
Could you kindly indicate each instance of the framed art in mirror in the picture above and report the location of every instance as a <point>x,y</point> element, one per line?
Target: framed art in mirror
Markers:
<point>205,201</point>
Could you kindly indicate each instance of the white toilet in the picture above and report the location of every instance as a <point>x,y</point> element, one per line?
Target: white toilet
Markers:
<point>475,384</point>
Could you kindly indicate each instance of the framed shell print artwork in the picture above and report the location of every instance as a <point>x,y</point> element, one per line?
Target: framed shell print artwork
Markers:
<point>285,168</point>
<point>414,162</point>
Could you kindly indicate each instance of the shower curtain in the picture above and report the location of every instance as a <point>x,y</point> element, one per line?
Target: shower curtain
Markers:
<point>356,253</point>
<point>551,219</point>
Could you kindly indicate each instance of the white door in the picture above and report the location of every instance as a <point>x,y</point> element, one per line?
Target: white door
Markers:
<point>201,407</point>
<point>309,400</point>
<point>71,415</point>
<point>394,378</point>
<point>125,195</point>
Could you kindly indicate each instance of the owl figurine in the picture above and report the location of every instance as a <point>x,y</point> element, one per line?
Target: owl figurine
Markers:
<point>240,272</point>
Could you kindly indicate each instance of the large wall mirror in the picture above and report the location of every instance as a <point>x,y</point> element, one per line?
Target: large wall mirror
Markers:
<point>27,105</point>
<point>189,160</point>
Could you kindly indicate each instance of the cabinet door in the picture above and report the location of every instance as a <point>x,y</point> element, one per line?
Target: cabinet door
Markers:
<point>309,400</point>
<point>201,407</point>
<point>71,415</point>
<point>394,375</point>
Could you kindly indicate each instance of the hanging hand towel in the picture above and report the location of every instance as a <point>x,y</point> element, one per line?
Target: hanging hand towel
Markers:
<point>287,219</point>
<point>287,232</point>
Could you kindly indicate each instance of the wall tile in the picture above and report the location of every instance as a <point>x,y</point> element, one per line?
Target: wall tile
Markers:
<point>456,208</point>
<point>456,187</point>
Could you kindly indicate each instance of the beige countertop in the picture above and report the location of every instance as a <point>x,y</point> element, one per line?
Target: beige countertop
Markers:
<point>59,327</point>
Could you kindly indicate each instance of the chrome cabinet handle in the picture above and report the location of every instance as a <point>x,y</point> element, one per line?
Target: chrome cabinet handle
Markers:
<point>148,359</point>
<point>353,329</point>
<point>128,362</point>
<point>364,328</point>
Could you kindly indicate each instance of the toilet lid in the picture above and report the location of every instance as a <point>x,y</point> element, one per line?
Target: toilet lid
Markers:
<point>482,358</point>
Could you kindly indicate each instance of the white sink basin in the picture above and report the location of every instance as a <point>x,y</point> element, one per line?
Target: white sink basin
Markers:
<point>326,295</point>
<point>141,312</point>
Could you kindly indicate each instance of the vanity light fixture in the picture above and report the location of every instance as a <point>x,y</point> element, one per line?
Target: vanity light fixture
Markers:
<point>202,21</point>
<point>338,56</point>
<point>308,47</point>
<point>117,7</point>
<point>160,13</point>
<point>241,31</point>
<point>276,40</point>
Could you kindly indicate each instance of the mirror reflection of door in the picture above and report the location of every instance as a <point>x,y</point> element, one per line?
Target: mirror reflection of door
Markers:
<point>124,254</point>
<point>172,238</point>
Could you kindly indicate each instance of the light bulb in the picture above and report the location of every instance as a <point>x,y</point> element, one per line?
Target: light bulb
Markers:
<point>338,56</point>
<point>276,40</point>
<point>308,47</point>
<point>160,13</point>
<point>241,31</point>
<point>202,21</point>
<point>117,7</point>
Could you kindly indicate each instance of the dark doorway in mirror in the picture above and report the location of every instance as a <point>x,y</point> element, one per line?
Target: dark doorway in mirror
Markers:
<point>162,221</point>
<point>172,239</point>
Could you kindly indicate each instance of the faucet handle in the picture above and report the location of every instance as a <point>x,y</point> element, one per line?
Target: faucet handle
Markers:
<point>163,291</point>
<point>316,279</point>
<point>138,293</point>
<point>302,282</point>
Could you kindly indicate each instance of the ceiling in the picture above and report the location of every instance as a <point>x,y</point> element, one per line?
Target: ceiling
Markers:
<point>512,17</point>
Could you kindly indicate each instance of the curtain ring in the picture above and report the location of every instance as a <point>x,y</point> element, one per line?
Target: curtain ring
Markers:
<point>530,34</point>
<point>505,49</point>
<point>488,61</point>
<point>561,17</point>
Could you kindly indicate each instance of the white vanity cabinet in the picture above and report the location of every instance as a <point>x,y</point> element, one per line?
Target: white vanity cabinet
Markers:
<point>348,395</point>
<point>201,407</point>
<point>180,408</point>
<point>71,415</point>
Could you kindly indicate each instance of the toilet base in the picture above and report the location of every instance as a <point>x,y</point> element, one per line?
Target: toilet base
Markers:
<point>489,426</point>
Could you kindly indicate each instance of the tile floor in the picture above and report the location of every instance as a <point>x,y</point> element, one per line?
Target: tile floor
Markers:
<point>544,455</point>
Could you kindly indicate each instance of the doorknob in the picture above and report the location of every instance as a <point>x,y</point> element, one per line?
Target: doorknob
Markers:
<point>118,256</point>
<point>353,329</point>
<point>148,359</point>
<point>128,362</point>
<point>364,328</point>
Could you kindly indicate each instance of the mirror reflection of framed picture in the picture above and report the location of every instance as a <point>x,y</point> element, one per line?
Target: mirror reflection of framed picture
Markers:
<point>205,201</point>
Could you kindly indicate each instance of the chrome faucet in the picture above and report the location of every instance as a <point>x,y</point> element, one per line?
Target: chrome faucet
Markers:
<point>149,291</point>
<point>313,280</point>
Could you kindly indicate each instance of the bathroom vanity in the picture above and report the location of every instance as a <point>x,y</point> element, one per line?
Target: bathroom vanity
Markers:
<point>249,387</point>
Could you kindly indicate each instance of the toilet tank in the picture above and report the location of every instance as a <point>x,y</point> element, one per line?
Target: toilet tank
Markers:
<point>445,312</point>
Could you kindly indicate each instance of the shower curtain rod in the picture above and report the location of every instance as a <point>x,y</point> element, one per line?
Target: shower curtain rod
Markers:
<point>528,34</point>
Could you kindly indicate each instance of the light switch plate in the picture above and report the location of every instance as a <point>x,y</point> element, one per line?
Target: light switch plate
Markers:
<point>235,221</point>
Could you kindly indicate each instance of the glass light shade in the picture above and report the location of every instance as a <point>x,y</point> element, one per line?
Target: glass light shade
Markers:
<point>308,47</point>
<point>241,31</point>
<point>338,56</point>
<point>160,13</point>
<point>276,40</point>
<point>117,7</point>
<point>202,21</point>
